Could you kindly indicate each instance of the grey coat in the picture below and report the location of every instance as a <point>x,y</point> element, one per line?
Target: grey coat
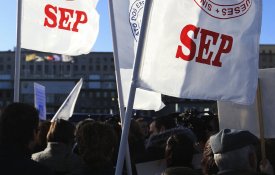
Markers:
<point>58,157</point>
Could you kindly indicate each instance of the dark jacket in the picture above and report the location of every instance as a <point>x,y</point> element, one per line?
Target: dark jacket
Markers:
<point>155,145</point>
<point>106,169</point>
<point>239,172</point>
<point>14,162</point>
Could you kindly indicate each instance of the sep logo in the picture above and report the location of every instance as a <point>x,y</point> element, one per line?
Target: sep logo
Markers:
<point>135,16</point>
<point>220,9</point>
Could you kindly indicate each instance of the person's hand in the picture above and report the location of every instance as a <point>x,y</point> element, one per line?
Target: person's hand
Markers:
<point>266,167</point>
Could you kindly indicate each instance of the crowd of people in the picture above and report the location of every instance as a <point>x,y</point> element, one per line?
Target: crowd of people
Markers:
<point>189,143</point>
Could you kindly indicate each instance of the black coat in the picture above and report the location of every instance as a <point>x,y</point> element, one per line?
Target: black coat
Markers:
<point>15,162</point>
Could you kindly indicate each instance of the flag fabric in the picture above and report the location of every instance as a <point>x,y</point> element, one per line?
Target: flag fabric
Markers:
<point>30,57</point>
<point>246,116</point>
<point>126,45</point>
<point>56,58</point>
<point>67,108</point>
<point>66,58</point>
<point>202,49</point>
<point>64,27</point>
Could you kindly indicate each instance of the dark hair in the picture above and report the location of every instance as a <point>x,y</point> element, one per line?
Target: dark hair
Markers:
<point>208,163</point>
<point>96,142</point>
<point>17,125</point>
<point>179,151</point>
<point>41,138</point>
<point>167,121</point>
<point>61,131</point>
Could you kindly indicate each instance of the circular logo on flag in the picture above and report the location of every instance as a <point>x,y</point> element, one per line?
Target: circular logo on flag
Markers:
<point>135,17</point>
<point>220,9</point>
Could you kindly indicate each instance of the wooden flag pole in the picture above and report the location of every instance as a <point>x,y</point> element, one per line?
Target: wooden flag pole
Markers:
<point>261,120</point>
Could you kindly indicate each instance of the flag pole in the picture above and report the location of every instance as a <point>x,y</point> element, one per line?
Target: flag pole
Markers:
<point>261,120</point>
<point>17,53</point>
<point>119,84</point>
<point>129,109</point>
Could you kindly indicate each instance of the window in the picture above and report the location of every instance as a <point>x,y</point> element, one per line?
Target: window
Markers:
<point>31,69</point>
<point>68,68</point>
<point>98,67</point>
<point>90,68</point>
<point>105,67</point>
<point>83,67</point>
<point>8,67</point>
<point>46,69</point>
<point>39,68</point>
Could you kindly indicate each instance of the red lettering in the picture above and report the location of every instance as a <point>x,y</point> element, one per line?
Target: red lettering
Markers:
<point>222,49</point>
<point>69,19</point>
<point>188,42</point>
<point>65,16</point>
<point>79,19</point>
<point>208,40</point>
<point>205,46</point>
<point>50,13</point>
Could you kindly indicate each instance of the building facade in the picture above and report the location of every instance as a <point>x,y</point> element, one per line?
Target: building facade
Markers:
<point>98,95</point>
<point>59,76</point>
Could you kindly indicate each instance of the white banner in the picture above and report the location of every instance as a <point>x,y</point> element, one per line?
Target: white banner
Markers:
<point>67,108</point>
<point>126,45</point>
<point>60,26</point>
<point>246,117</point>
<point>40,100</point>
<point>202,49</point>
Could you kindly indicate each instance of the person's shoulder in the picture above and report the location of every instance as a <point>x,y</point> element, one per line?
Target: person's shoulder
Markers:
<point>37,168</point>
<point>181,170</point>
<point>23,167</point>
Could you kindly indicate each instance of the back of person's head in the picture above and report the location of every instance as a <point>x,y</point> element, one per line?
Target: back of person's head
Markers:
<point>179,171</point>
<point>61,131</point>
<point>179,150</point>
<point>82,122</point>
<point>234,150</point>
<point>18,124</point>
<point>96,142</point>
<point>167,121</point>
<point>160,124</point>
<point>41,138</point>
<point>208,164</point>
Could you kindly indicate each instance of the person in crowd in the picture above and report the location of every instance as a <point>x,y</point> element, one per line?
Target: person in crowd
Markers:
<point>235,153</point>
<point>161,124</point>
<point>96,143</point>
<point>178,154</point>
<point>78,126</point>
<point>136,142</point>
<point>58,155</point>
<point>144,125</point>
<point>270,151</point>
<point>41,138</point>
<point>208,164</point>
<point>161,129</point>
<point>18,128</point>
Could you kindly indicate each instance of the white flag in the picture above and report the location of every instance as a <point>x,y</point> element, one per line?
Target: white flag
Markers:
<point>202,49</point>
<point>246,117</point>
<point>67,108</point>
<point>126,44</point>
<point>64,27</point>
